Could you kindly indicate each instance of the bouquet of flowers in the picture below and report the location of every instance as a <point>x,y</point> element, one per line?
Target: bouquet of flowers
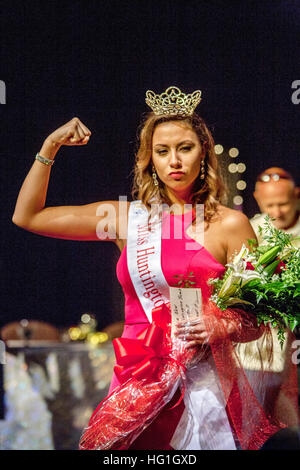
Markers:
<point>264,279</point>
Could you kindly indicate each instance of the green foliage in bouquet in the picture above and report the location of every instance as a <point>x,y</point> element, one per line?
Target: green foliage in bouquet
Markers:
<point>273,297</point>
<point>185,281</point>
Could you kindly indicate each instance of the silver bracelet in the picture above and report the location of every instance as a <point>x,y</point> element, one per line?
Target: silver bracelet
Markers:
<point>44,160</point>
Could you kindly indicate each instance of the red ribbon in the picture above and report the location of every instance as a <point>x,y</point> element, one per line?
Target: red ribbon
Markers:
<point>141,358</point>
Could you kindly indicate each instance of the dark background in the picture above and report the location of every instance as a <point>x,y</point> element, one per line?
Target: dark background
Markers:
<point>95,60</point>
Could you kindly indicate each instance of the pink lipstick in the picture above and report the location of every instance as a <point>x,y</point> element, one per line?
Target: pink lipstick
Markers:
<point>176,174</point>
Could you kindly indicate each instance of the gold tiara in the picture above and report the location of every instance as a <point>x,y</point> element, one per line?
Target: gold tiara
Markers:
<point>173,101</point>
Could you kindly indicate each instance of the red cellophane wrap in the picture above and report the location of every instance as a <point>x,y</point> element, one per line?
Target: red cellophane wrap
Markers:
<point>150,369</point>
<point>258,380</point>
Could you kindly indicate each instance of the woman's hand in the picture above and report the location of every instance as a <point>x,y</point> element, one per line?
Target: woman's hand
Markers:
<point>73,132</point>
<point>198,333</point>
<point>193,333</point>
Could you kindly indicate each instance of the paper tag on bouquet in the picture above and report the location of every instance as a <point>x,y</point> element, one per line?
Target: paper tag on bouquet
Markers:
<point>186,305</point>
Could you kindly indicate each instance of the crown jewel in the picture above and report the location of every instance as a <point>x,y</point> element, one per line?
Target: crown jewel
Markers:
<point>173,101</point>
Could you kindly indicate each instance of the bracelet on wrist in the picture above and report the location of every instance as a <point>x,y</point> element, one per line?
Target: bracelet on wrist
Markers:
<point>44,160</point>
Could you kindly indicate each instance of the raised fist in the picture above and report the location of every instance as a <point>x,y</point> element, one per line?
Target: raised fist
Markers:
<point>73,132</point>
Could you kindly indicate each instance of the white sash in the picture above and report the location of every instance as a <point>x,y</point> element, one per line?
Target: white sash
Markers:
<point>144,260</point>
<point>204,423</point>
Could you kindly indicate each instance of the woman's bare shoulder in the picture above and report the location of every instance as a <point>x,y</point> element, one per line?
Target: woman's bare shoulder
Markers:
<point>232,219</point>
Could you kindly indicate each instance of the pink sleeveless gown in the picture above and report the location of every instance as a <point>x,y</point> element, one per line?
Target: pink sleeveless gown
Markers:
<point>175,260</point>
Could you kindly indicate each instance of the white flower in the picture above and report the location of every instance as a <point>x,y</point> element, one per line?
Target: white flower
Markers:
<point>229,287</point>
<point>243,256</point>
<point>247,276</point>
<point>238,275</point>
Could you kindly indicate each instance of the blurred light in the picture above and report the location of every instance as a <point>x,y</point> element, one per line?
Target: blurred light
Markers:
<point>101,385</point>
<point>85,329</point>
<point>93,340</point>
<point>241,167</point>
<point>102,337</point>
<point>85,318</point>
<point>219,149</point>
<point>232,168</point>
<point>99,337</point>
<point>74,333</point>
<point>103,357</point>
<point>92,354</point>
<point>241,184</point>
<point>233,152</point>
<point>238,200</point>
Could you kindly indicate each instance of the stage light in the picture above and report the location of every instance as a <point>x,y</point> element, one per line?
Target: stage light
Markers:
<point>99,337</point>
<point>241,184</point>
<point>74,333</point>
<point>85,318</point>
<point>238,200</point>
<point>102,337</point>
<point>85,329</point>
<point>233,152</point>
<point>219,149</point>
<point>241,167</point>
<point>232,168</point>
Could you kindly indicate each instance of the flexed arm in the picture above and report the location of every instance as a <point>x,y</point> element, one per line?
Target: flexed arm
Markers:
<point>69,222</point>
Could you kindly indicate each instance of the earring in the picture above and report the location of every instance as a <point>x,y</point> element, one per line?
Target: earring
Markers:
<point>202,170</point>
<point>154,176</point>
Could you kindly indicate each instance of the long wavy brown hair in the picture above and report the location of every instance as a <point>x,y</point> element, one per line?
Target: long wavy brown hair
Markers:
<point>209,191</point>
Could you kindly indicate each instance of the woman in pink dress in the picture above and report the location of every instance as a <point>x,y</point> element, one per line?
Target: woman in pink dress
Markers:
<point>175,165</point>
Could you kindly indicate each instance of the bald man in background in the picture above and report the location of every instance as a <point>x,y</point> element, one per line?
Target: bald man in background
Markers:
<point>277,195</point>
